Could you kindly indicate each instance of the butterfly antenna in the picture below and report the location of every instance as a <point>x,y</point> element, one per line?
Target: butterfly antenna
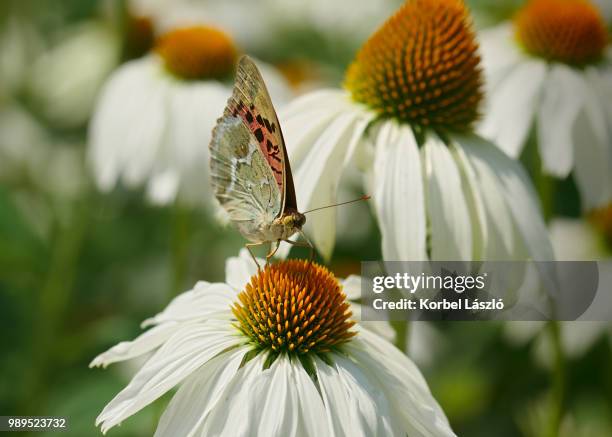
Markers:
<point>366,197</point>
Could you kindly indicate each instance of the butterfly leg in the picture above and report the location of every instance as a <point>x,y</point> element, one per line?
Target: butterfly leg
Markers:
<point>305,243</point>
<point>272,252</point>
<point>248,246</point>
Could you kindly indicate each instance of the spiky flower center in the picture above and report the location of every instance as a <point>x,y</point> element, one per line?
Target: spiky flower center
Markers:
<point>421,67</point>
<point>197,52</point>
<point>568,31</point>
<point>294,306</point>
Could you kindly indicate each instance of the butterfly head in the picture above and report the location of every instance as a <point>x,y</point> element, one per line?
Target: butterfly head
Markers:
<point>293,220</point>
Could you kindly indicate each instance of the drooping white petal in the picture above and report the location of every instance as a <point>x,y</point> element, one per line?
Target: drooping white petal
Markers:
<point>593,139</point>
<point>355,405</point>
<point>499,53</point>
<point>310,408</point>
<point>204,301</point>
<point>163,187</point>
<point>451,230</point>
<point>317,177</point>
<point>402,383</point>
<point>181,354</point>
<point>305,118</point>
<point>562,100</point>
<point>398,193</point>
<point>274,400</point>
<point>517,192</point>
<point>511,107</point>
<point>129,123</point>
<point>235,413</point>
<point>199,394</point>
<point>474,203</point>
<point>144,343</point>
<point>500,240</point>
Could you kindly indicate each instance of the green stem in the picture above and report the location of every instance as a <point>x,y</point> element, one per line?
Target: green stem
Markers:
<point>54,298</point>
<point>558,380</point>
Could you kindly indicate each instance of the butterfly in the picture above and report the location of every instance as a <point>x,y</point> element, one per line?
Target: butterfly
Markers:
<point>250,170</point>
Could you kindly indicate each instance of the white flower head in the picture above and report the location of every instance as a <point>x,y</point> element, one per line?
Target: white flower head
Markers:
<point>439,191</point>
<point>551,68</point>
<point>153,121</point>
<point>273,353</point>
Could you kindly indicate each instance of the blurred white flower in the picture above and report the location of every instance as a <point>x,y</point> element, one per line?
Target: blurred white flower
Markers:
<point>552,67</point>
<point>241,372</point>
<point>65,80</point>
<point>153,121</point>
<point>439,191</point>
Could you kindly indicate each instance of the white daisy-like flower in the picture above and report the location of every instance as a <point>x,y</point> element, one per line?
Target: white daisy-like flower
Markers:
<point>439,191</point>
<point>153,121</point>
<point>551,68</point>
<point>273,353</point>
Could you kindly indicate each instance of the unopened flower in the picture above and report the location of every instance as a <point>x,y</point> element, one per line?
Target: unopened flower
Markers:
<point>273,353</point>
<point>154,118</point>
<point>411,99</point>
<point>551,68</point>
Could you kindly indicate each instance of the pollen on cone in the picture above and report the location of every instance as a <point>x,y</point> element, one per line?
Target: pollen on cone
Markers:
<point>568,31</point>
<point>197,52</point>
<point>421,67</point>
<point>306,309</point>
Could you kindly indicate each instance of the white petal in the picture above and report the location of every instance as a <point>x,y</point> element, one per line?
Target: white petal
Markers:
<point>199,394</point>
<point>592,138</point>
<point>398,194</point>
<point>474,202</point>
<point>517,192</point>
<point>499,53</point>
<point>318,176</point>
<point>499,242</point>
<point>402,383</point>
<point>511,107</point>
<point>451,230</point>
<point>129,123</point>
<point>236,402</point>
<point>204,301</point>
<point>305,118</point>
<point>274,400</point>
<point>163,187</point>
<point>144,343</point>
<point>355,406</point>
<point>182,354</point>
<point>562,99</point>
<point>310,406</point>
<point>240,269</point>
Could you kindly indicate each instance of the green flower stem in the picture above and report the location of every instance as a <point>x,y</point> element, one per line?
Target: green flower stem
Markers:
<point>557,405</point>
<point>402,335</point>
<point>54,298</point>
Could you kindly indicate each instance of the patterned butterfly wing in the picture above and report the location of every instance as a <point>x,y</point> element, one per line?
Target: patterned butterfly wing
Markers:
<point>242,179</point>
<point>251,102</point>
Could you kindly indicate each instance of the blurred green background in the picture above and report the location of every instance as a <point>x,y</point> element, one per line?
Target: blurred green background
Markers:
<point>79,270</point>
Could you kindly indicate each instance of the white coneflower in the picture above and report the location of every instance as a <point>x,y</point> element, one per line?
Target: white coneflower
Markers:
<point>153,120</point>
<point>551,67</point>
<point>405,116</point>
<point>272,353</point>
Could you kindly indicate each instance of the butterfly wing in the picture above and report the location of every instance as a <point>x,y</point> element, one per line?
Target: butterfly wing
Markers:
<point>251,102</point>
<point>242,179</point>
